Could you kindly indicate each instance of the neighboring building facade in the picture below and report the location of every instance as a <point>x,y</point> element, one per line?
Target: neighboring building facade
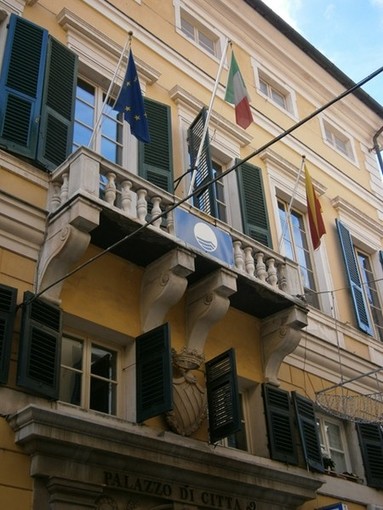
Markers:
<point>158,351</point>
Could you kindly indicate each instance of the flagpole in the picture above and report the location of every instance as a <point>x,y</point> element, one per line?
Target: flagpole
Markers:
<point>208,115</point>
<point>109,91</point>
<point>291,202</point>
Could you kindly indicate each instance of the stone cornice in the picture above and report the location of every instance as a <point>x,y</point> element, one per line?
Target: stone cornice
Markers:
<point>62,440</point>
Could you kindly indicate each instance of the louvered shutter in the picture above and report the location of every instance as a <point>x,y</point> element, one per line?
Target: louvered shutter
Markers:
<point>279,422</point>
<point>360,306</point>
<point>57,114</point>
<point>371,444</point>
<point>40,347</point>
<point>21,85</point>
<point>308,432</point>
<point>153,373</point>
<point>253,205</point>
<point>155,159</point>
<point>206,199</point>
<point>7,316</point>
<point>222,396</point>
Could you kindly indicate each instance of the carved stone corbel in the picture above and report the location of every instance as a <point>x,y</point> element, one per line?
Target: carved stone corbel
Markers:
<point>207,302</point>
<point>66,241</point>
<point>163,285</point>
<point>280,336</point>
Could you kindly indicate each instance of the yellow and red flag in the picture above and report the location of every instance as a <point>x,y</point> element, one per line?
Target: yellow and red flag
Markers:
<point>314,211</point>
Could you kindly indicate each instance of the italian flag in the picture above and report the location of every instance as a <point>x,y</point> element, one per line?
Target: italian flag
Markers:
<point>314,211</point>
<point>237,95</point>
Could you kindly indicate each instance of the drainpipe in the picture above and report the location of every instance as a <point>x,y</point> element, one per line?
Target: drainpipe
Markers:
<point>377,148</point>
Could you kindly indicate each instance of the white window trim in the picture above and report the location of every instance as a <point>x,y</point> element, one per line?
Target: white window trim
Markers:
<point>339,129</point>
<point>282,182</point>
<point>180,6</point>
<point>322,418</point>
<point>271,77</point>
<point>226,142</point>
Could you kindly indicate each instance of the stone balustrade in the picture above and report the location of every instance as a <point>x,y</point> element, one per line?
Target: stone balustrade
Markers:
<point>87,174</point>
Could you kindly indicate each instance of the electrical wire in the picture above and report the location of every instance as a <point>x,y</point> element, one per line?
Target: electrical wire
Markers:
<point>207,184</point>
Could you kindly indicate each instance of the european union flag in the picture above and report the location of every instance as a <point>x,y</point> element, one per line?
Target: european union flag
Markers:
<point>131,103</point>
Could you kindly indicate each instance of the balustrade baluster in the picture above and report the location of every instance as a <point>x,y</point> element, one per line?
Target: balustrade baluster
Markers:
<point>142,205</point>
<point>249,261</point>
<point>110,188</point>
<point>56,198</point>
<point>64,188</point>
<point>156,210</point>
<point>126,196</point>
<point>272,272</point>
<point>238,256</point>
<point>261,272</point>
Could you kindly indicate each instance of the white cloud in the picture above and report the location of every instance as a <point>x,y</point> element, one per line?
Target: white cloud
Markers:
<point>287,10</point>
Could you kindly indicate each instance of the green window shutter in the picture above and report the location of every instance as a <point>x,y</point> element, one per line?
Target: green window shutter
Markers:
<point>155,159</point>
<point>57,114</point>
<point>206,199</point>
<point>40,347</point>
<point>7,316</point>
<point>371,444</point>
<point>21,84</point>
<point>308,431</point>
<point>253,204</point>
<point>153,373</point>
<point>279,422</point>
<point>222,396</point>
<point>360,306</point>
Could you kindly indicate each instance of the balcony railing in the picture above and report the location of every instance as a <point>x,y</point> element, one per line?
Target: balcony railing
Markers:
<point>87,174</point>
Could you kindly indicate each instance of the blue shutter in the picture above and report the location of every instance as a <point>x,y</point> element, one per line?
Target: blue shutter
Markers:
<point>21,85</point>
<point>222,396</point>
<point>57,114</point>
<point>155,159</point>
<point>206,199</point>
<point>308,431</point>
<point>371,444</point>
<point>7,316</point>
<point>357,293</point>
<point>279,421</point>
<point>40,347</point>
<point>153,373</point>
<point>255,218</point>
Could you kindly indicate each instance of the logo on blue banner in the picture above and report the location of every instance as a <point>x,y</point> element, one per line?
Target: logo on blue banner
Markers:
<point>201,235</point>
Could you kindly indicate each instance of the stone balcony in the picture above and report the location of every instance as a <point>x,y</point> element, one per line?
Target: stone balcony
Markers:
<point>94,200</point>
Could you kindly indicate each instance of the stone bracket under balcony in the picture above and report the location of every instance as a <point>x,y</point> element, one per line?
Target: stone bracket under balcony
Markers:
<point>207,302</point>
<point>280,336</point>
<point>163,285</point>
<point>68,236</point>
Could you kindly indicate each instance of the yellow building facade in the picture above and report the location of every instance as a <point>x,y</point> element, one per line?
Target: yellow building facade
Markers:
<point>170,336</point>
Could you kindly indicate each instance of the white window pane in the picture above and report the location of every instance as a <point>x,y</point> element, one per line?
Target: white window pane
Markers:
<point>187,28</point>
<point>206,42</point>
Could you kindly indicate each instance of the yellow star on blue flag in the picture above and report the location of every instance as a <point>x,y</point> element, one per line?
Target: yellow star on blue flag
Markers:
<point>130,102</point>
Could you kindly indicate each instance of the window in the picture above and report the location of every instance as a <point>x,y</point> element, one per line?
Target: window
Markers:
<point>338,140</point>
<point>7,316</point>
<point>238,440</point>
<point>276,92</point>
<point>296,246</point>
<point>88,375</point>
<point>333,443</point>
<point>37,92</point>
<point>219,192</point>
<point>108,139</point>
<point>371,292</point>
<point>361,279</point>
<point>198,33</point>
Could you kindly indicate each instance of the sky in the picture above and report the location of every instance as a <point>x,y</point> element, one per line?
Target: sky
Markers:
<point>347,32</point>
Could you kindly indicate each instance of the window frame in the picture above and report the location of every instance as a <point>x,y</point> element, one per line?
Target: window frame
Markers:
<point>326,448</point>
<point>200,27</point>
<point>332,133</point>
<point>88,342</point>
<point>310,292</point>
<point>275,86</point>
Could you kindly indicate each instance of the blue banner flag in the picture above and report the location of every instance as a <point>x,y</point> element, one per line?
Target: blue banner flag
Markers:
<point>210,239</point>
<point>130,102</point>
